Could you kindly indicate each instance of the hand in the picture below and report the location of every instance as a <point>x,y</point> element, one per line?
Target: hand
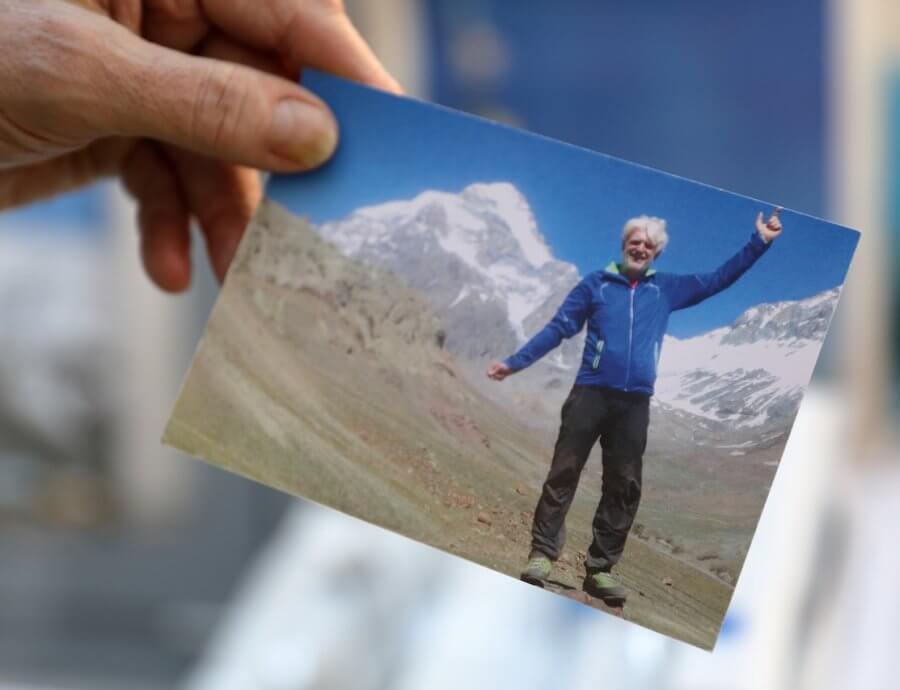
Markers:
<point>181,99</point>
<point>770,229</point>
<point>498,371</point>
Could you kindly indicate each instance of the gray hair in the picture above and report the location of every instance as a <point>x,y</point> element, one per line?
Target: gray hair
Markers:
<point>654,227</point>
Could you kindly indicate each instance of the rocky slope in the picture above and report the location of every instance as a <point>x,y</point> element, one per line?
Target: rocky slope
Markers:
<point>327,378</point>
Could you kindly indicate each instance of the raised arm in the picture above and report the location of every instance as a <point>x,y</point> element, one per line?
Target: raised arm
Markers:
<point>688,290</point>
<point>568,321</point>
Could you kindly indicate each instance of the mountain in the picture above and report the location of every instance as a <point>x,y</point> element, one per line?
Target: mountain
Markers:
<point>326,377</point>
<point>478,256</point>
<point>489,275</point>
<point>750,375</point>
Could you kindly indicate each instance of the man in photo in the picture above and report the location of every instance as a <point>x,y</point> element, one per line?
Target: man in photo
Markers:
<point>626,307</point>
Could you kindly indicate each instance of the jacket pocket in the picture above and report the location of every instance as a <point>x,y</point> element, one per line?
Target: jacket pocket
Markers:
<point>597,353</point>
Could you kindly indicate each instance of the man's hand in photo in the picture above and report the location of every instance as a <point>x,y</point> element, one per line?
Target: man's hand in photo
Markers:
<point>771,228</point>
<point>498,371</point>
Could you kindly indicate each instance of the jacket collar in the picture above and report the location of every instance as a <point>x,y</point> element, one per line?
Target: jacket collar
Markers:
<point>612,269</point>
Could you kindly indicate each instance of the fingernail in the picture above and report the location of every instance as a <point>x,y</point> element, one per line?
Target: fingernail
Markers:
<point>303,133</point>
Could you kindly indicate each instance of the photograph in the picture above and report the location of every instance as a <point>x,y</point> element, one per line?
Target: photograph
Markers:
<point>574,370</point>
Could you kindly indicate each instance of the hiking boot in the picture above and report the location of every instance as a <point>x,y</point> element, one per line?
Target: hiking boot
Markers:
<point>604,586</point>
<point>538,569</point>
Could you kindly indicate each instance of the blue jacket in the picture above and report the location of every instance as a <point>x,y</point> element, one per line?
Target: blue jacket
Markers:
<point>625,324</point>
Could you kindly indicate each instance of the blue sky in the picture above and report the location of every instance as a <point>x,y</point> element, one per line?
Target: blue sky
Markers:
<point>82,212</point>
<point>393,148</point>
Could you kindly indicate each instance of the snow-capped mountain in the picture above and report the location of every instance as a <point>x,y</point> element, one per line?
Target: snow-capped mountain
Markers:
<point>478,256</point>
<point>480,259</point>
<point>751,373</point>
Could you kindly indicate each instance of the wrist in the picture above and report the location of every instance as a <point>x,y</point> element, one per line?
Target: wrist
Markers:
<point>757,235</point>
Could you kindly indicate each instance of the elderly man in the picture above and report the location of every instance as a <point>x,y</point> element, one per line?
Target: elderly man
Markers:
<point>626,307</point>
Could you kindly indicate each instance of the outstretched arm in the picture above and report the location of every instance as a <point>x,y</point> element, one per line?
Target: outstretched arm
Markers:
<point>568,321</point>
<point>688,290</point>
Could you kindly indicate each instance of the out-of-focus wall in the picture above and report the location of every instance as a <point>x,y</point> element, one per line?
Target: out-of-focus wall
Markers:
<point>864,59</point>
<point>394,29</point>
<point>153,335</point>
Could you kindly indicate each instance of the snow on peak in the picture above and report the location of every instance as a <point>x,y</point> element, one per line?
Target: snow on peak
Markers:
<point>395,211</point>
<point>724,375</point>
<point>488,226</point>
<point>500,201</point>
<point>507,203</point>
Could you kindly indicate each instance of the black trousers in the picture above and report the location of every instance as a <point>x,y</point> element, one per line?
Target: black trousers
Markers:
<point>619,420</point>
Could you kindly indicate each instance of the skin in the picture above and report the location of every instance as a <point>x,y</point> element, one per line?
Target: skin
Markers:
<point>183,100</point>
<point>638,253</point>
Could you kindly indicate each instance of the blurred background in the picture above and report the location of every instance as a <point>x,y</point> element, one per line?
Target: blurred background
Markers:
<point>126,565</point>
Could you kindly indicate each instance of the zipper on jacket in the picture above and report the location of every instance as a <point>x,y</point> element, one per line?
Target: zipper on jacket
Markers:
<point>630,334</point>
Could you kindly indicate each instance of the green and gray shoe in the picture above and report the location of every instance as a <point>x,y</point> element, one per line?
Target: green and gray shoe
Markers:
<point>538,569</point>
<point>604,586</point>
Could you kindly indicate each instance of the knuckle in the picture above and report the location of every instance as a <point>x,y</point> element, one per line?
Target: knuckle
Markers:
<point>218,105</point>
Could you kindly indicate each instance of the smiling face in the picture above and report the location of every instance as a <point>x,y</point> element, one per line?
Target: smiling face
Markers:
<point>638,252</point>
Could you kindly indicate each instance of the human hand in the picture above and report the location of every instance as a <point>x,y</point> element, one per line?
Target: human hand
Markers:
<point>498,371</point>
<point>180,98</point>
<point>770,229</point>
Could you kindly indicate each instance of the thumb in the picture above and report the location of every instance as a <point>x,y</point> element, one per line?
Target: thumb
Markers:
<point>218,109</point>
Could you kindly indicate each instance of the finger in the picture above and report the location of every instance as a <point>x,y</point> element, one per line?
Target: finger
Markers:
<point>162,217</point>
<point>777,211</point>
<point>316,33</point>
<point>233,113</point>
<point>220,47</point>
<point>222,197</point>
<point>218,109</point>
<point>23,185</point>
<point>177,24</point>
<point>95,79</point>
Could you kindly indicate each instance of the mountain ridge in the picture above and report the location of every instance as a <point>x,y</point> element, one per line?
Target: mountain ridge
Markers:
<point>480,259</point>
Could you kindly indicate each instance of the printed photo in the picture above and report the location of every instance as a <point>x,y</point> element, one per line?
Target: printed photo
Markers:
<point>574,370</point>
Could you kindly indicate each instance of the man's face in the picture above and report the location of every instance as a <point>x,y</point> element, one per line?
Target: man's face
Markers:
<point>639,251</point>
